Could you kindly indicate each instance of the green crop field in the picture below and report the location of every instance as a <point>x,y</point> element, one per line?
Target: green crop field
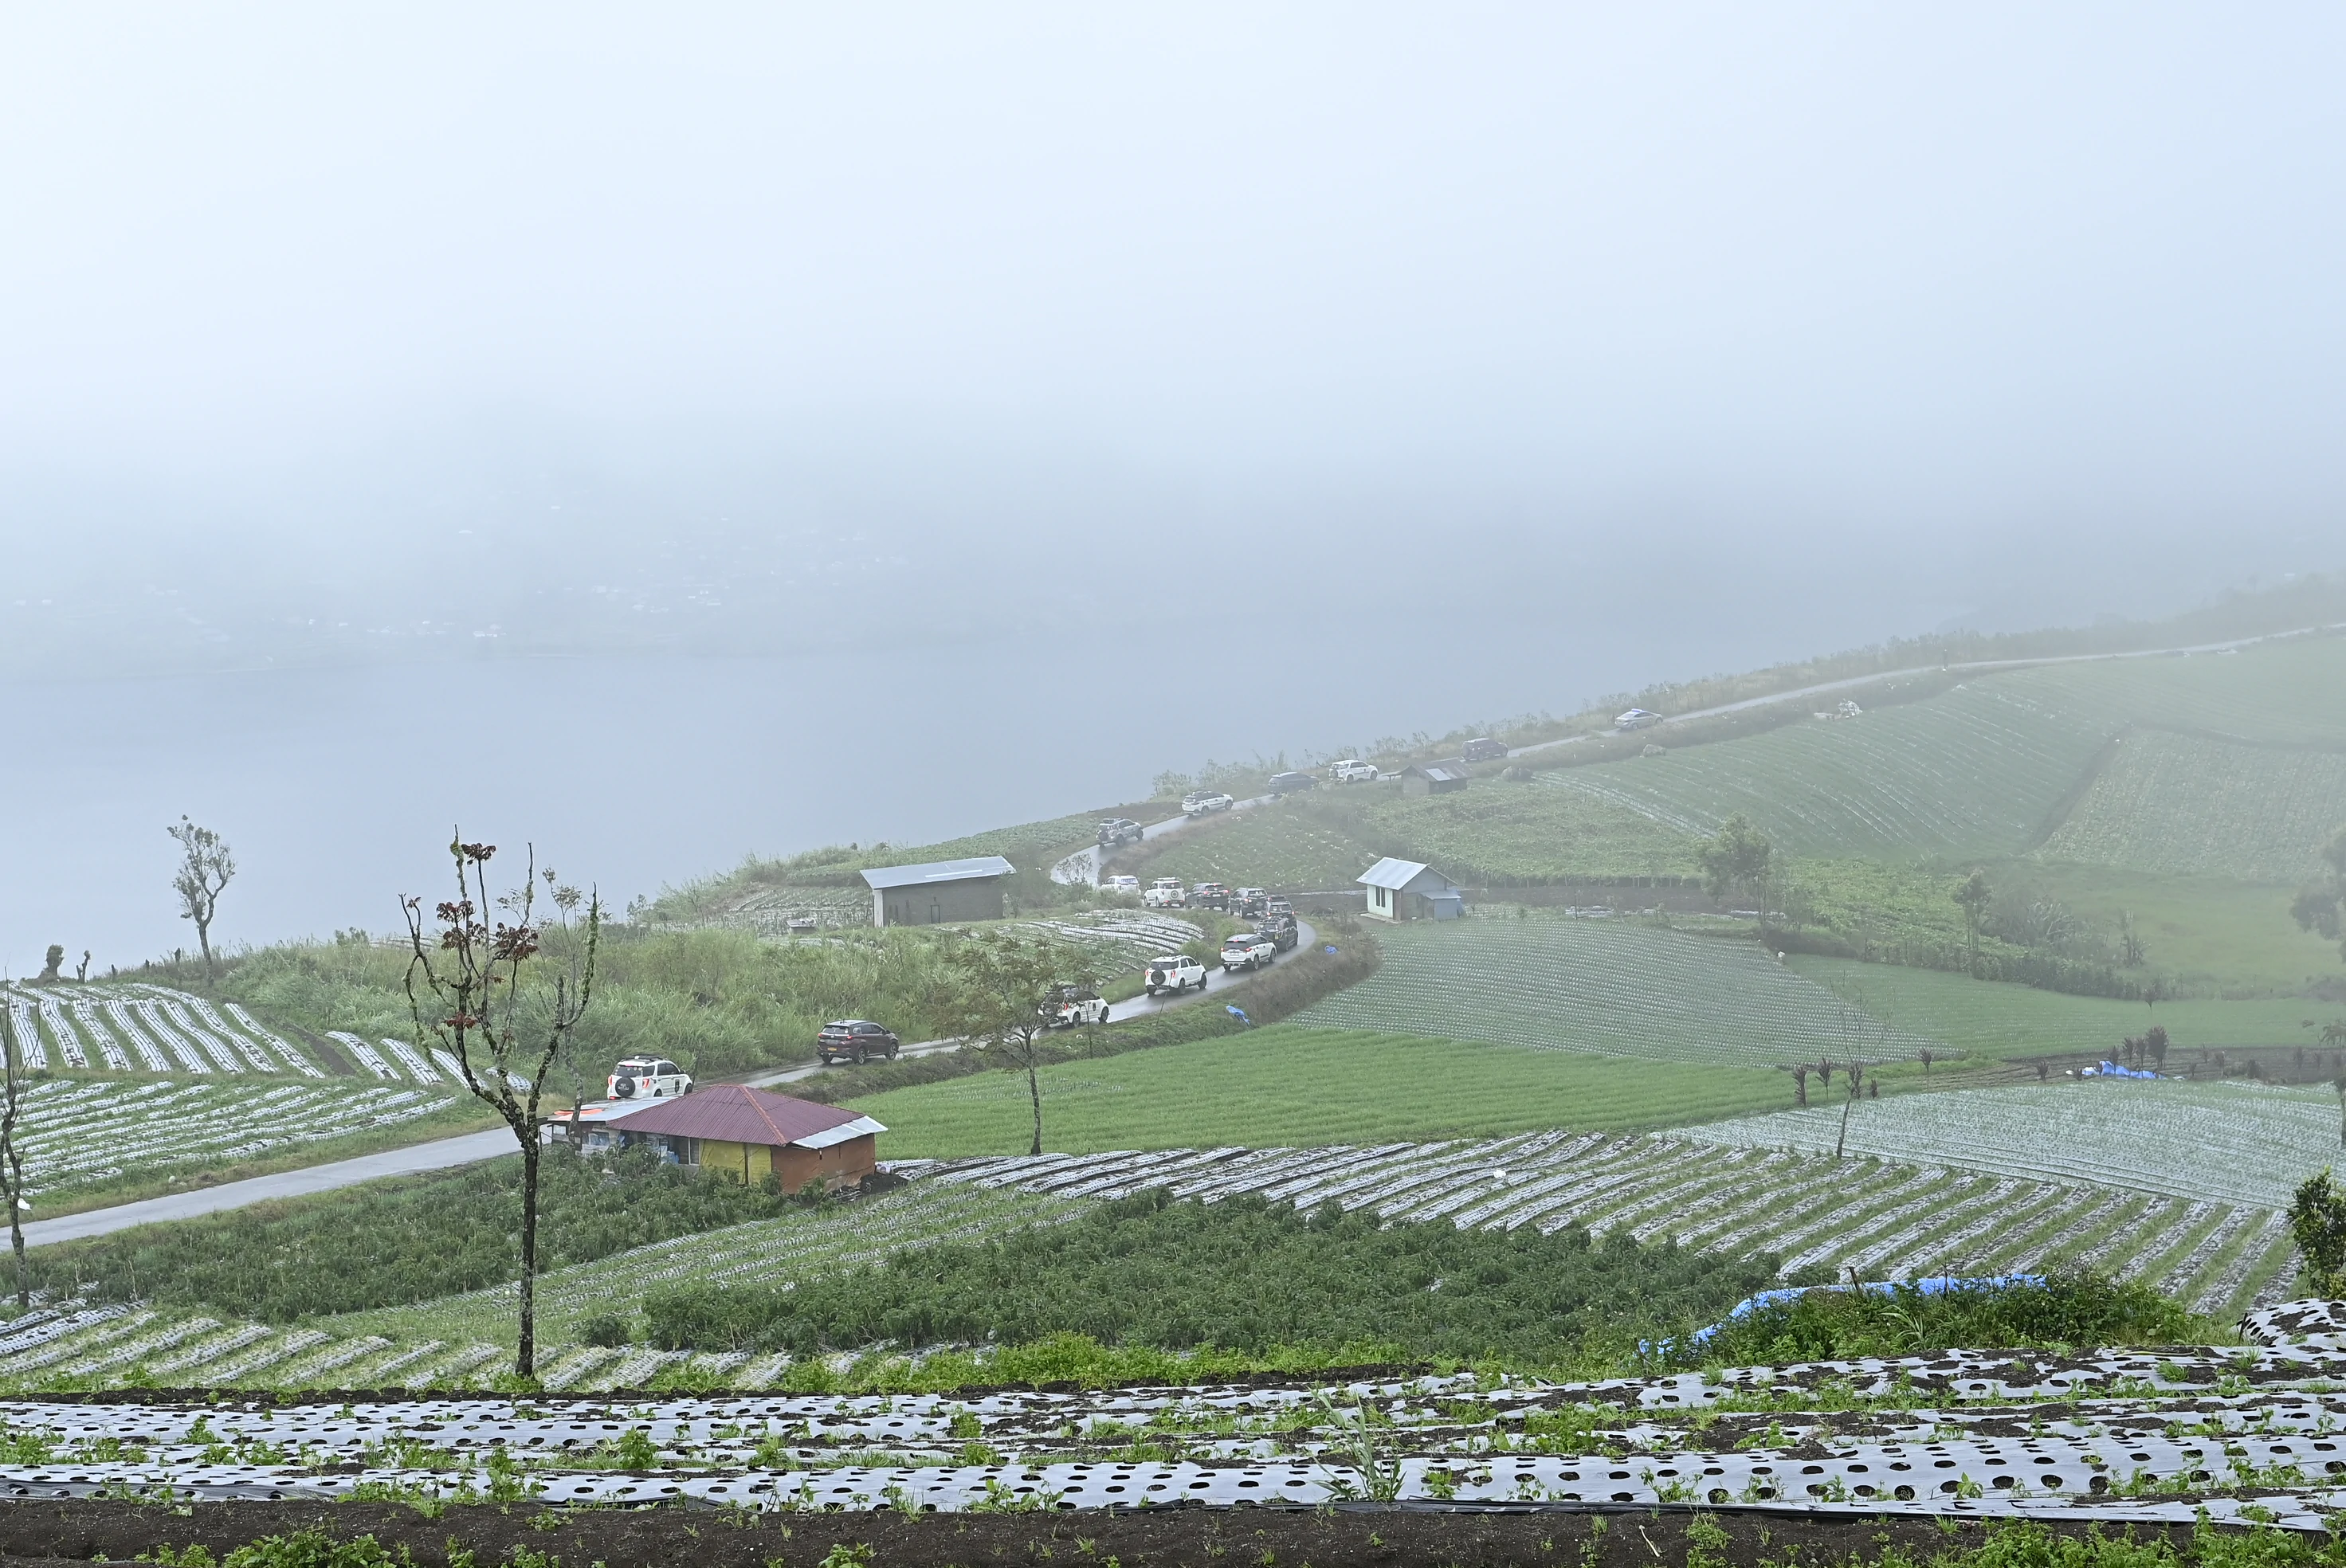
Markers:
<point>1598,986</point>
<point>1497,832</point>
<point>1991,1019</point>
<point>1285,1084</point>
<point>1288,845</point>
<point>2188,805</point>
<point>1503,831</point>
<point>2282,693</point>
<point>1984,769</point>
<point>1977,771</point>
<point>2237,1143</point>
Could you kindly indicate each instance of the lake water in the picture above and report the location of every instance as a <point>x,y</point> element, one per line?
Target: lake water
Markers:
<point>337,786</point>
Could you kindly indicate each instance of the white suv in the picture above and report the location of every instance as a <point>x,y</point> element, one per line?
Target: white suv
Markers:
<point>1353,772</point>
<point>1247,950</point>
<point>1204,800</point>
<point>1166,893</point>
<point>647,1078</point>
<point>1174,971</point>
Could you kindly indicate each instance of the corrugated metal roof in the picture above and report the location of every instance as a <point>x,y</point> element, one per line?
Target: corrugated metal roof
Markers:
<point>840,1134</point>
<point>938,872</point>
<point>1441,774</point>
<point>1391,873</point>
<point>736,1113</point>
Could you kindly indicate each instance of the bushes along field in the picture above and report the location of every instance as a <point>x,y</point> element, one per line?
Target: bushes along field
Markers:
<point>1242,1275</point>
<point>2073,1310</point>
<point>1287,1085</point>
<point>394,1242</point>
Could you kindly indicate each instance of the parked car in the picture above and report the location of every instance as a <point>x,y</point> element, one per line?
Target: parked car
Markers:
<point>647,1078</point>
<point>1166,893</point>
<point>1069,1005</point>
<point>1210,896</point>
<point>1483,748</point>
<point>1282,931</point>
<point>1198,802</point>
<point>1248,902</point>
<point>1118,831</point>
<point>856,1039</point>
<point>1173,971</point>
<point>1122,884</point>
<point>1352,770</point>
<point>1278,904</point>
<point>1294,780</point>
<point>1246,950</point>
<point>1635,719</point>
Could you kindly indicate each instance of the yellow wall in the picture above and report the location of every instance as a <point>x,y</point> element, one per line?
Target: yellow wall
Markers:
<point>742,1162</point>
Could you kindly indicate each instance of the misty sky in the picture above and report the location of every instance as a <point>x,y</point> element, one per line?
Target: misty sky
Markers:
<point>1686,336</point>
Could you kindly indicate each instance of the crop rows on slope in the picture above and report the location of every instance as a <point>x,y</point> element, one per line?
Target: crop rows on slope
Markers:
<point>2183,805</point>
<point>2195,1435</point>
<point>1508,833</point>
<point>1270,846</point>
<point>2284,694</point>
<point>127,1027</point>
<point>1614,989</point>
<point>1975,770</point>
<point>1887,1219</point>
<point>75,1133</point>
<point>2004,1021</point>
<point>2235,1142</point>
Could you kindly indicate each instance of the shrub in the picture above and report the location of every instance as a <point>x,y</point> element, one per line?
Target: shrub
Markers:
<point>2074,1310</point>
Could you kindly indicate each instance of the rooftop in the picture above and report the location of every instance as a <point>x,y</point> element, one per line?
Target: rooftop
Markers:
<point>736,1113</point>
<point>1391,873</point>
<point>938,872</point>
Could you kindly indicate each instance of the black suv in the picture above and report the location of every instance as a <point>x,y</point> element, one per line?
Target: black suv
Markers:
<point>1118,831</point>
<point>1283,783</point>
<point>855,1040</point>
<point>1281,929</point>
<point>1483,748</point>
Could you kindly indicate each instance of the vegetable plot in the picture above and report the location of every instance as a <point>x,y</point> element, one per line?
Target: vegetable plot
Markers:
<point>1610,987</point>
<point>129,1027</point>
<point>1974,771</point>
<point>2237,1143</point>
<point>2185,804</point>
<point>1890,1220</point>
<point>80,1133</point>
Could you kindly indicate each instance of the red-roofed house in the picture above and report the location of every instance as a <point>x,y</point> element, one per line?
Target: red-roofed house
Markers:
<point>748,1133</point>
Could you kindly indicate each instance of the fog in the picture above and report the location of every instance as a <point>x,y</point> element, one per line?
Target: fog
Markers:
<point>664,433</point>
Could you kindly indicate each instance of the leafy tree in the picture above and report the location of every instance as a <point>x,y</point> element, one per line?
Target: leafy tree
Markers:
<point>2156,1043</point>
<point>2323,908</point>
<point>470,988</point>
<point>206,866</point>
<point>1000,979</point>
<point>1738,857</point>
<point>1800,1083</point>
<point>2318,1217</point>
<point>1972,896</point>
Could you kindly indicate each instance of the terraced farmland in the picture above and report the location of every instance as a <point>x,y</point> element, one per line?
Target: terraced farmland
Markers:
<point>1288,1085</point>
<point>84,1133</point>
<point>1503,831</point>
<point>1990,1018</point>
<point>2232,1143</point>
<point>1884,1218</point>
<point>134,1027</point>
<point>2282,693</point>
<point>2185,804</point>
<point>1617,988</point>
<point>1977,771</point>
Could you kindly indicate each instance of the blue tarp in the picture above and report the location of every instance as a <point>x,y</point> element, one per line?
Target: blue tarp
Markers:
<point>2112,1070</point>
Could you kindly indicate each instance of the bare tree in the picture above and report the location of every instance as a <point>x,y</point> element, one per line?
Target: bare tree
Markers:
<point>474,987</point>
<point>1972,896</point>
<point>12,1164</point>
<point>206,866</point>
